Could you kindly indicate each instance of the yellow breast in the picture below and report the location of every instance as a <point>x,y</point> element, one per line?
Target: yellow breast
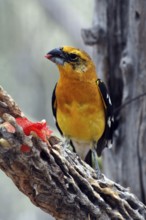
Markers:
<point>80,110</point>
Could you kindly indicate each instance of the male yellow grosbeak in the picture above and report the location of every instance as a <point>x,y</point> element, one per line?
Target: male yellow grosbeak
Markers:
<point>81,104</point>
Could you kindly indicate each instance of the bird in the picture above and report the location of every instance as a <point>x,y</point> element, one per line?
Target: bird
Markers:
<point>81,104</point>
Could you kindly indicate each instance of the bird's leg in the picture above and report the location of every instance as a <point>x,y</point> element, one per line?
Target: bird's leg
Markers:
<point>67,144</point>
<point>95,161</point>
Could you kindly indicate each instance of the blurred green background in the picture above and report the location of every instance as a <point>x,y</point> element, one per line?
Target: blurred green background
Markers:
<point>28,30</point>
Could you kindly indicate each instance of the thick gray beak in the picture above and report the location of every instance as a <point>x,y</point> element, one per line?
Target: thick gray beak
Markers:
<point>56,55</point>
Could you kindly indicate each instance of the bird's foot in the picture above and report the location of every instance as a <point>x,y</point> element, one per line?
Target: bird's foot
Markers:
<point>67,145</point>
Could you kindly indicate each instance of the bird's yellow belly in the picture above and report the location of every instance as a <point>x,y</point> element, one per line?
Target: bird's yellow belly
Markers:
<point>81,121</point>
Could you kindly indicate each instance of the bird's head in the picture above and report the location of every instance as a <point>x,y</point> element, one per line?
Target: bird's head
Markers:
<point>72,62</point>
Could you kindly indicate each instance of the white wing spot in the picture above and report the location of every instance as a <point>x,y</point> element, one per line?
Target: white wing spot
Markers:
<point>109,100</point>
<point>109,122</point>
<point>109,144</point>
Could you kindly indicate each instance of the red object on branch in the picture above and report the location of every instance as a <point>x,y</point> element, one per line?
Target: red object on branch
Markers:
<point>40,128</point>
<point>25,148</point>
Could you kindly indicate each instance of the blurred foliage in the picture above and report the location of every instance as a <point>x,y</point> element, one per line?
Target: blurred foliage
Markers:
<point>28,30</point>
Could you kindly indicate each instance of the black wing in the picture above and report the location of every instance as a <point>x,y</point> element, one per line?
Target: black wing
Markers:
<point>54,108</point>
<point>106,139</point>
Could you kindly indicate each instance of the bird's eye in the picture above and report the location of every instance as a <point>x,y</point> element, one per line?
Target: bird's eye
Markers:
<point>73,56</point>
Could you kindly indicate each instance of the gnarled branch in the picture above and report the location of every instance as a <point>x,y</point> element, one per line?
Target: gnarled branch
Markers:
<point>57,180</point>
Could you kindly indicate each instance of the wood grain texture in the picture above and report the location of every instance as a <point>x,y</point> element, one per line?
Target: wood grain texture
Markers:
<point>57,180</point>
<point>120,59</point>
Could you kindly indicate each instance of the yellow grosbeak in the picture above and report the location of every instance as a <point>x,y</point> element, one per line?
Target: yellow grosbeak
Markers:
<point>81,104</point>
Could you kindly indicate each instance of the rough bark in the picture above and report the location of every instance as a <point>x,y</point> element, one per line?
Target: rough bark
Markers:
<point>120,53</point>
<point>57,180</point>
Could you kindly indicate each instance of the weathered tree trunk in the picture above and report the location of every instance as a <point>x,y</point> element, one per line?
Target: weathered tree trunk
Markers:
<point>119,39</point>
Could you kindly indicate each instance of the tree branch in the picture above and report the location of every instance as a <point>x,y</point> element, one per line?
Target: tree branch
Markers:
<point>94,35</point>
<point>57,180</point>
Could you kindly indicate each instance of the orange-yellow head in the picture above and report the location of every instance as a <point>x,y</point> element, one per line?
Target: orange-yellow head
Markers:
<point>73,63</point>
